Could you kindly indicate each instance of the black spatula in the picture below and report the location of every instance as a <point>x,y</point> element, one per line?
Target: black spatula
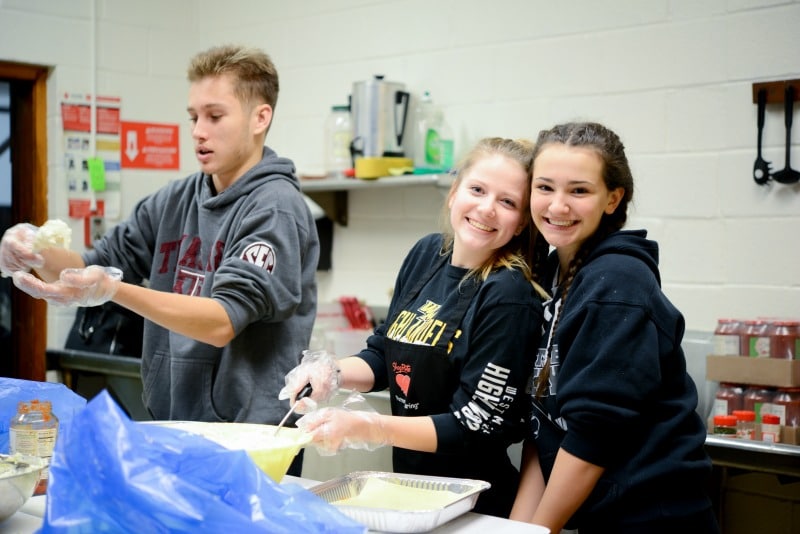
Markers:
<point>787,175</point>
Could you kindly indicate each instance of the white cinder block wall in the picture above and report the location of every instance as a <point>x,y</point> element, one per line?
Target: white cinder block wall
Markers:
<point>673,77</point>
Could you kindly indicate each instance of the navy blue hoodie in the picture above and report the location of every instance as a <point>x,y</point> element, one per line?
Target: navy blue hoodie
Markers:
<point>619,395</point>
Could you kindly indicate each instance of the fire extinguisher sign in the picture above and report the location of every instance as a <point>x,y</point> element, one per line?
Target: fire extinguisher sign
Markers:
<point>148,145</point>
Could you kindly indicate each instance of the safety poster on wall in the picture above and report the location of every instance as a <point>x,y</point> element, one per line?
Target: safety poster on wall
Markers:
<point>92,170</point>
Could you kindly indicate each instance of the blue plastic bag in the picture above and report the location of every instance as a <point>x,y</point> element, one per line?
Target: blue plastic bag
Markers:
<point>111,474</point>
<point>65,402</point>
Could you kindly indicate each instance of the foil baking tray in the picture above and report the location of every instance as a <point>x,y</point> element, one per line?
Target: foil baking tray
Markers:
<point>396,502</point>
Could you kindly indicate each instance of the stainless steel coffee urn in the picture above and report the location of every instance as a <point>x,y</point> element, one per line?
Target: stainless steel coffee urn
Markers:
<point>379,111</point>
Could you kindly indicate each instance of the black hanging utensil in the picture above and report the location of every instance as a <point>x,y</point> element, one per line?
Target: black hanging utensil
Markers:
<point>761,167</point>
<point>787,175</point>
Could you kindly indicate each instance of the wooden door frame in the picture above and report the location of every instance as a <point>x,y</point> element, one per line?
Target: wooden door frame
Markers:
<point>29,204</point>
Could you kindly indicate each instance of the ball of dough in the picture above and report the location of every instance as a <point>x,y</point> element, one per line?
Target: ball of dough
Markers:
<point>55,233</point>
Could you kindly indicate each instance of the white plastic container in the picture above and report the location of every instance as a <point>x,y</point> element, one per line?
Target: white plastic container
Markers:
<point>338,135</point>
<point>425,117</point>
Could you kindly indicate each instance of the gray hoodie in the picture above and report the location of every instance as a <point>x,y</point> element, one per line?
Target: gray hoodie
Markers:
<point>254,249</point>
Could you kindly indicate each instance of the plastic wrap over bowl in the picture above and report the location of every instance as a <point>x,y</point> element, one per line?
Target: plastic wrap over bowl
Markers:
<point>272,453</point>
<point>19,475</point>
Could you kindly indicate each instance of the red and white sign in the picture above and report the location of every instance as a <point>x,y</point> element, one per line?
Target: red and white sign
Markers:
<point>149,145</point>
<point>76,113</point>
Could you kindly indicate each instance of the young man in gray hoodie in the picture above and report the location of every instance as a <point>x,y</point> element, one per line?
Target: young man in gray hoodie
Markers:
<point>229,256</point>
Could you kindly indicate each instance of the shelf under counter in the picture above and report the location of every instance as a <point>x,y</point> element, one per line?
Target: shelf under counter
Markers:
<point>332,193</point>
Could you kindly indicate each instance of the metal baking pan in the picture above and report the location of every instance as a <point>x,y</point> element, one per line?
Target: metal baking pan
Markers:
<point>383,517</point>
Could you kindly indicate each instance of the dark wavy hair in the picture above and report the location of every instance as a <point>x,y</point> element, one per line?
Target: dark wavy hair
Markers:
<point>616,174</point>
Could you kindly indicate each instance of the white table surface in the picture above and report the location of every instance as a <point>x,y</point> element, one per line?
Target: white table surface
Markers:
<point>29,518</point>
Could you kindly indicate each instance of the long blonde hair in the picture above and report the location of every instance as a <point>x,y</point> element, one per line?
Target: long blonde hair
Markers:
<point>512,254</point>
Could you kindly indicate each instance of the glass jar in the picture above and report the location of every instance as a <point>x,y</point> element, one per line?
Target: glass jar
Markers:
<point>784,339</point>
<point>787,405</point>
<point>33,431</point>
<point>727,336</point>
<point>729,397</point>
<point>725,426</point>
<point>755,338</point>
<point>770,428</point>
<point>755,397</point>
<point>745,424</point>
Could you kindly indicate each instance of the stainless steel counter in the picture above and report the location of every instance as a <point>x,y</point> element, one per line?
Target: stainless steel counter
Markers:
<point>754,455</point>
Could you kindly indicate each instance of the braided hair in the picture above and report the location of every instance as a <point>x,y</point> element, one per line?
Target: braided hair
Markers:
<point>616,174</point>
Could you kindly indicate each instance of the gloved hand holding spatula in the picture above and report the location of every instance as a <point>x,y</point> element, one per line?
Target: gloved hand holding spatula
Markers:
<point>320,370</point>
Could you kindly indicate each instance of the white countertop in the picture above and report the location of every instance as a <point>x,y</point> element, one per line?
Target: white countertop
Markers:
<point>29,518</point>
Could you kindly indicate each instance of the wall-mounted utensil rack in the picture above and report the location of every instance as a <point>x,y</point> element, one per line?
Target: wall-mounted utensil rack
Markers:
<point>775,92</point>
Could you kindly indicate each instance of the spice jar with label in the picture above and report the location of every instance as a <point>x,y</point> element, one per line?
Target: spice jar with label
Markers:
<point>726,339</point>
<point>755,397</point>
<point>729,397</point>
<point>725,426</point>
<point>784,339</point>
<point>787,404</point>
<point>33,431</point>
<point>770,428</point>
<point>755,338</point>
<point>745,424</point>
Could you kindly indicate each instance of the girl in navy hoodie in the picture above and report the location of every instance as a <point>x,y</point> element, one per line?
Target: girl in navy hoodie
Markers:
<point>614,444</point>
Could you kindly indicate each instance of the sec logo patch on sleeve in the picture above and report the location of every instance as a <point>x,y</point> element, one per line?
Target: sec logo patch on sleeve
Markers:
<point>260,254</point>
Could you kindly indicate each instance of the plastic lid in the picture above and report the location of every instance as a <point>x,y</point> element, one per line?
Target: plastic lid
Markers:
<point>787,322</point>
<point>770,418</point>
<point>724,420</point>
<point>744,415</point>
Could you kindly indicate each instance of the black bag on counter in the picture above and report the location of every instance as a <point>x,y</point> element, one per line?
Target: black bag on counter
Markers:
<point>107,329</point>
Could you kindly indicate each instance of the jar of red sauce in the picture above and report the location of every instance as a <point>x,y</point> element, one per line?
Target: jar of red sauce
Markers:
<point>755,338</point>
<point>729,397</point>
<point>787,402</point>
<point>727,337</point>
<point>755,397</point>
<point>784,339</point>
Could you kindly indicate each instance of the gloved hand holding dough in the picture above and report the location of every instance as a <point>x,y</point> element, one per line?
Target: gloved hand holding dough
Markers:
<point>21,244</point>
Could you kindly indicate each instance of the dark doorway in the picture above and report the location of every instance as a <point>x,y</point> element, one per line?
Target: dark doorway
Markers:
<point>23,348</point>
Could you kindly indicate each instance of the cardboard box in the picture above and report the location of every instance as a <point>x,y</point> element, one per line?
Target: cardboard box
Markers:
<point>760,502</point>
<point>759,371</point>
<point>790,435</point>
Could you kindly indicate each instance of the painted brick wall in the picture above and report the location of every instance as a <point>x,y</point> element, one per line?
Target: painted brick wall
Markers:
<point>673,77</point>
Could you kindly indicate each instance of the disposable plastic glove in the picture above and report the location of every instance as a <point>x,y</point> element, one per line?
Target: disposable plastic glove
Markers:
<point>317,368</point>
<point>91,286</point>
<point>16,250</point>
<point>333,429</point>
